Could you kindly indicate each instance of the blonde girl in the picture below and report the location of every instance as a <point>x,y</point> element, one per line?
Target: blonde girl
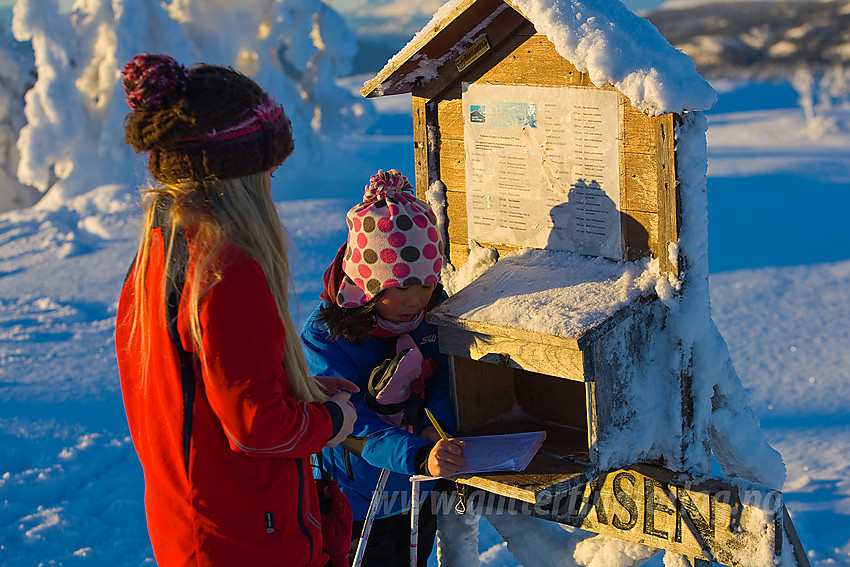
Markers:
<point>223,411</point>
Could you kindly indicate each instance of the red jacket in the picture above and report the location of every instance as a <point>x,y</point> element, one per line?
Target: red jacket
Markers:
<point>225,452</point>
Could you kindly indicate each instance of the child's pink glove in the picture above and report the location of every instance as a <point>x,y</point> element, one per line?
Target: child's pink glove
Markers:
<point>408,368</point>
<point>392,383</point>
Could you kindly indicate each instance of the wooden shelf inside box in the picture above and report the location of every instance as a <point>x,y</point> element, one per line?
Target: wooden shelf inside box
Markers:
<point>562,458</point>
<point>510,357</point>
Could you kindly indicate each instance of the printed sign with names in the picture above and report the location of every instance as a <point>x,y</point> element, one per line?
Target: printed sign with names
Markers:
<point>542,167</point>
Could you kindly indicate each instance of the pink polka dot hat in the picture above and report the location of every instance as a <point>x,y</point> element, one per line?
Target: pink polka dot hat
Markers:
<point>392,241</point>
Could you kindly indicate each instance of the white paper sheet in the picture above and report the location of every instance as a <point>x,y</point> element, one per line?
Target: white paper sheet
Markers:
<point>542,167</point>
<point>510,452</point>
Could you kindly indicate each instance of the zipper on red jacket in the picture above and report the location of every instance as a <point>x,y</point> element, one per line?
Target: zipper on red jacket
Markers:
<point>299,465</point>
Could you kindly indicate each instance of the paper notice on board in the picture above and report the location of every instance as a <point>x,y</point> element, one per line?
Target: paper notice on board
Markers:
<point>542,167</point>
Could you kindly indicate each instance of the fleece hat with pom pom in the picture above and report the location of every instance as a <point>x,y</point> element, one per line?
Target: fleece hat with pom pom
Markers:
<point>393,241</point>
<point>203,123</point>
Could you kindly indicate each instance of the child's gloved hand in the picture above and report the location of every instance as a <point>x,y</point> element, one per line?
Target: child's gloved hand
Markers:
<point>391,384</point>
<point>446,458</point>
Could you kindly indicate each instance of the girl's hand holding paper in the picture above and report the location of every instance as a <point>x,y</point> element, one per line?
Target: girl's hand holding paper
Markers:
<point>446,458</point>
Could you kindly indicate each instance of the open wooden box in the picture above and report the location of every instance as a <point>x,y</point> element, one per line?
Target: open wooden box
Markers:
<point>512,378</point>
<point>591,383</point>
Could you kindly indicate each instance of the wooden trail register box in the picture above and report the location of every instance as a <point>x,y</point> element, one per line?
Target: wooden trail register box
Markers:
<point>600,182</point>
<point>583,385</point>
<point>576,189</point>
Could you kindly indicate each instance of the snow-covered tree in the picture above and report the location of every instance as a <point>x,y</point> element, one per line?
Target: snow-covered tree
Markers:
<point>16,76</point>
<point>814,99</point>
<point>293,48</point>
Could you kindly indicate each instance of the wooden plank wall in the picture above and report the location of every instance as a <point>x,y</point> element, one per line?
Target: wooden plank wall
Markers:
<point>485,392</point>
<point>648,192</point>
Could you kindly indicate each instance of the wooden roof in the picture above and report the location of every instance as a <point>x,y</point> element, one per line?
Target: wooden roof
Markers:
<point>607,41</point>
<point>443,39</point>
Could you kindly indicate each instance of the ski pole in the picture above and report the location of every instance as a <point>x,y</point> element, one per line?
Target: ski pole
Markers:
<point>414,523</point>
<point>370,517</point>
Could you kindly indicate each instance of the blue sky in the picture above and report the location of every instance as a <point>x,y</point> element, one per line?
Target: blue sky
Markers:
<point>10,3</point>
<point>634,5</point>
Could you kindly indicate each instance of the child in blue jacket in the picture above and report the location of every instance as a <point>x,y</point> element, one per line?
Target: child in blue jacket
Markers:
<point>370,329</point>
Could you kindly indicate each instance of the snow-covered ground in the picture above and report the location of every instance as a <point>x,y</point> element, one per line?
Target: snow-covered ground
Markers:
<point>70,483</point>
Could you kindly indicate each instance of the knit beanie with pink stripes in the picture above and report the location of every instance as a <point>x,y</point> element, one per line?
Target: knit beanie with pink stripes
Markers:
<point>393,241</point>
<point>203,123</point>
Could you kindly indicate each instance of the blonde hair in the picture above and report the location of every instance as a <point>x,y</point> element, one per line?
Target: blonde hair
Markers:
<point>238,211</point>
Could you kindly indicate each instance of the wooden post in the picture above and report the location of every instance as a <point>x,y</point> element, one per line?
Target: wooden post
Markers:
<point>799,552</point>
<point>421,151</point>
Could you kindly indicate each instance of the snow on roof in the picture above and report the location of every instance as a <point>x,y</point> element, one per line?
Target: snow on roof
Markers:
<point>562,294</point>
<point>602,38</point>
<point>613,45</point>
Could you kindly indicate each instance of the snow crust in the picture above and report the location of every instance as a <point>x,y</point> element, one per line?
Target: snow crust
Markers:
<point>554,293</point>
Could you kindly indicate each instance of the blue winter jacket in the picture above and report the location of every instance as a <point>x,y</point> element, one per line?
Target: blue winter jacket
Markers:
<point>387,447</point>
